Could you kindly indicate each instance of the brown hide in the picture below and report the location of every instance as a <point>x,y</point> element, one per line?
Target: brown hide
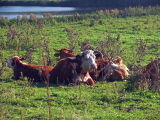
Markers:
<point>66,65</point>
<point>152,70</point>
<point>63,53</point>
<point>103,70</point>
<point>31,71</point>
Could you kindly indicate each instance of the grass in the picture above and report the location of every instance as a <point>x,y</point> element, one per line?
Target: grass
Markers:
<point>20,99</point>
<point>130,29</point>
<point>105,101</point>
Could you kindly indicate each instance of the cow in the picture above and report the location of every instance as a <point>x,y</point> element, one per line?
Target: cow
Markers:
<point>110,69</point>
<point>63,53</point>
<point>105,68</point>
<point>35,73</point>
<point>75,69</point>
<point>149,76</point>
<point>120,70</point>
<point>152,70</point>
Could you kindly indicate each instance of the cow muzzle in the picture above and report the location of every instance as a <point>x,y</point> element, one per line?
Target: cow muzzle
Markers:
<point>93,67</point>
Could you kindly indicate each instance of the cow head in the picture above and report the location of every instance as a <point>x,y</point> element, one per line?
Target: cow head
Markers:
<point>13,61</point>
<point>121,67</point>
<point>118,60</point>
<point>63,53</point>
<point>87,60</point>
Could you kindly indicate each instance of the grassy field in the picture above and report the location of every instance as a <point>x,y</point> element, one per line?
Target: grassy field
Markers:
<point>131,30</point>
<point>105,101</point>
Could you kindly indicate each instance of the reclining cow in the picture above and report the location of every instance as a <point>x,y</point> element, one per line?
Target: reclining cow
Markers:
<point>105,69</point>
<point>152,70</point>
<point>36,73</point>
<point>121,70</point>
<point>75,69</point>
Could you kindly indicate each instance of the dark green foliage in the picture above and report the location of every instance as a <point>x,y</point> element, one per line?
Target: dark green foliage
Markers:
<point>83,3</point>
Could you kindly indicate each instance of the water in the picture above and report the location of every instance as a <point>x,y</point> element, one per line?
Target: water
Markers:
<point>14,11</point>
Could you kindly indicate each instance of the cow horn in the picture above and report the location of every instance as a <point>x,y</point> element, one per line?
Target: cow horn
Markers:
<point>98,54</point>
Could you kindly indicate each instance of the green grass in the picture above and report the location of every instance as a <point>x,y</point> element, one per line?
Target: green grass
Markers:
<point>105,101</point>
<point>130,29</point>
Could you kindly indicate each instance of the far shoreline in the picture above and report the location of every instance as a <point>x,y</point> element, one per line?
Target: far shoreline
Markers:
<point>75,3</point>
<point>37,3</point>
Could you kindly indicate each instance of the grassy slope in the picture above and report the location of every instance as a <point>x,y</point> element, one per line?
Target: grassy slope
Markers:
<point>20,99</point>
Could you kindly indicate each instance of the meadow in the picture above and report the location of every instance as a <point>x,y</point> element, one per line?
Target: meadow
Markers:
<point>134,37</point>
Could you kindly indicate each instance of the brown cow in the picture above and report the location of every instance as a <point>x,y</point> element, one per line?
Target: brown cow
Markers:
<point>63,53</point>
<point>149,76</point>
<point>152,70</point>
<point>37,73</point>
<point>105,68</point>
<point>120,72</point>
<point>111,70</point>
<point>74,70</point>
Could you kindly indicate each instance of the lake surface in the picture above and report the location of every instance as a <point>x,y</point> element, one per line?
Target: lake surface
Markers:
<point>14,11</point>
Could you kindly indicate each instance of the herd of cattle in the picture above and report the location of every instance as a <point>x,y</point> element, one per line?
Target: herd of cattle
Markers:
<point>86,67</point>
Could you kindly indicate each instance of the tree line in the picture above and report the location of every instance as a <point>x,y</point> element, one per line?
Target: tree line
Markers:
<point>86,3</point>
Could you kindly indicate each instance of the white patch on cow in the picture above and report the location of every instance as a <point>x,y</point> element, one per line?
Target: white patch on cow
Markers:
<point>86,77</point>
<point>88,61</point>
<point>72,58</point>
<point>23,63</point>
<point>11,63</point>
<point>125,68</point>
<point>114,66</point>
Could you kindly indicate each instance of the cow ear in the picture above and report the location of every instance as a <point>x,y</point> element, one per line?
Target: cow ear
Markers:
<point>119,60</point>
<point>98,54</point>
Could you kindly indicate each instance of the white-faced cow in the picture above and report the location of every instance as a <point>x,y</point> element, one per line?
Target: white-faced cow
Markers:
<point>105,69</point>
<point>74,70</point>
